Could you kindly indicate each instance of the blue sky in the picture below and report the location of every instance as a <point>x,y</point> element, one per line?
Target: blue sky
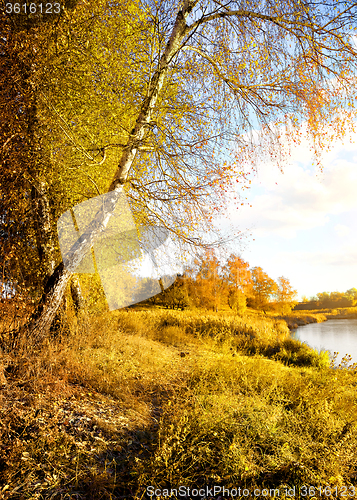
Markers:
<point>303,222</point>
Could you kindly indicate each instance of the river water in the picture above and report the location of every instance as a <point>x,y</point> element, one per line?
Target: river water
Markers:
<point>334,335</point>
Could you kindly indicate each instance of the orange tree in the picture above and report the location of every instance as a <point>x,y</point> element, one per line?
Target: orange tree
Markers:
<point>238,280</point>
<point>351,294</point>
<point>204,283</point>
<point>263,289</point>
<point>212,73</point>
<point>286,295</point>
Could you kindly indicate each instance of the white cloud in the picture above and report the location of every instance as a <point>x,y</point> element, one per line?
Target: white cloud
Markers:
<point>344,256</point>
<point>342,230</point>
<point>299,198</point>
<point>318,209</point>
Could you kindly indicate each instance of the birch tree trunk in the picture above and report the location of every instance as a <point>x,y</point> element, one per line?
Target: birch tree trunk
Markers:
<point>76,294</point>
<point>40,321</point>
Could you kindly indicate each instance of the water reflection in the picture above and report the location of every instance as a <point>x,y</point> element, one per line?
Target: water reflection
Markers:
<point>335,335</point>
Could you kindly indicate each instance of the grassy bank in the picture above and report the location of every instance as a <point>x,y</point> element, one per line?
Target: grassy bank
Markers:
<point>300,318</point>
<point>294,320</point>
<point>161,398</point>
<point>340,313</point>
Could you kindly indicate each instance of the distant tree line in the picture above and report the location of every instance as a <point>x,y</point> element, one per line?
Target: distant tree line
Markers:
<point>211,284</point>
<point>332,300</point>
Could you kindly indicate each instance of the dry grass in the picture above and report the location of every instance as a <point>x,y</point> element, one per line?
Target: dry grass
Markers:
<point>300,318</point>
<point>165,398</point>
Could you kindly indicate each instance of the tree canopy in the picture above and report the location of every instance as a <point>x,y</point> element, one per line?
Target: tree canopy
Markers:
<point>169,101</point>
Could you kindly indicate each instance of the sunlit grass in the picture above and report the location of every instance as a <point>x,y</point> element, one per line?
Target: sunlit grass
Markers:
<point>209,398</point>
<point>251,422</point>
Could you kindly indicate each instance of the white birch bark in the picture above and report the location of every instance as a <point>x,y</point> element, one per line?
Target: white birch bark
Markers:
<point>41,320</point>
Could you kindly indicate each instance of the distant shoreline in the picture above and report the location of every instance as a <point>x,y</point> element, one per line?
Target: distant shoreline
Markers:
<point>300,319</point>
